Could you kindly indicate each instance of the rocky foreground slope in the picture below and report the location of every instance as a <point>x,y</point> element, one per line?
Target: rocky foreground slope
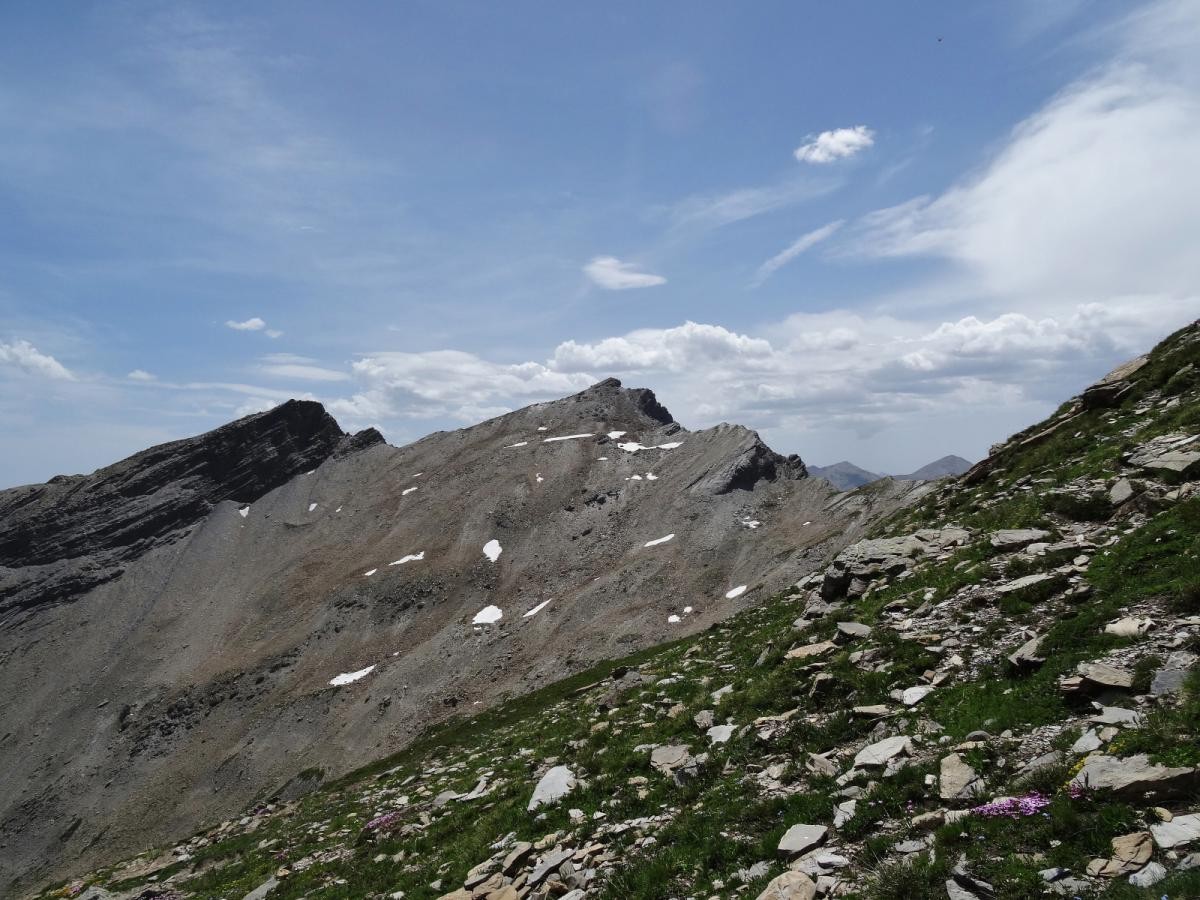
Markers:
<point>249,612</point>
<point>996,695</point>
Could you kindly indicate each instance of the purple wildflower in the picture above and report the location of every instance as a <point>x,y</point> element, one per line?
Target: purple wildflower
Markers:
<point>1013,807</point>
<point>384,822</point>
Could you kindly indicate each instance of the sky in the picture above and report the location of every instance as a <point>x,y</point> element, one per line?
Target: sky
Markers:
<point>879,232</point>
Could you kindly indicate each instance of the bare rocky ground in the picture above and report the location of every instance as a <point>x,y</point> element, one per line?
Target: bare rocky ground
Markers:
<point>995,694</point>
<point>243,615</point>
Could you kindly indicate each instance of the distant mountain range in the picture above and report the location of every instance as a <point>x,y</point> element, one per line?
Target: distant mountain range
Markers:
<point>846,476</point>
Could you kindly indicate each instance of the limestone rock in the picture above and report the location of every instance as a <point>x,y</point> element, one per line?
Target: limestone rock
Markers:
<point>1177,832</point>
<point>957,780</point>
<point>1016,538</point>
<point>882,752</point>
<point>554,785</point>
<point>790,886</point>
<point>799,839</point>
<point>1134,777</point>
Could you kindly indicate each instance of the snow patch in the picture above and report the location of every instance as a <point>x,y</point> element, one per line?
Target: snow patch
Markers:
<point>602,458</point>
<point>566,437</point>
<point>407,491</point>
<point>687,610</point>
<point>616,434</point>
<point>489,615</point>
<point>537,609</point>
<point>517,444</point>
<point>634,446</point>
<point>412,557</point>
<point>370,573</point>
<point>541,428</point>
<point>244,511</point>
<point>657,541</point>
<point>492,549</point>
<point>735,592</point>
<point>540,479</point>
<point>311,507</point>
<point>650,476</point>
<point>673,619</point>
<point>350,677</point>
<point>751,523</point>
<point>634,478</point>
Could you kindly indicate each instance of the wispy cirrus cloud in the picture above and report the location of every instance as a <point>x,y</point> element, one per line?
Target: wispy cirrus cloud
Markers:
<point>802,244</point>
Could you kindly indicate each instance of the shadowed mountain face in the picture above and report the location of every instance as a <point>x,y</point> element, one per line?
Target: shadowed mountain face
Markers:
<point>200,623</point>
<point>845,476</point>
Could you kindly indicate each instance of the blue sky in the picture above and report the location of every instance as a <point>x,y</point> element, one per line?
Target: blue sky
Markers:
<point>873,231</point>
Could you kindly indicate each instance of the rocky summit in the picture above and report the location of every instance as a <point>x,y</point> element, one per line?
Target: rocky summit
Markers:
<point>581,652</point>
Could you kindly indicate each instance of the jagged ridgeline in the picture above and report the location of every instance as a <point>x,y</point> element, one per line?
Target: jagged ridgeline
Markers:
<point>993,694</point>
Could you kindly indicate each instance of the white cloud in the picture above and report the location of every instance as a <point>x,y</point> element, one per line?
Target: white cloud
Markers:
<point>837,144</point>
<point>24,356</point>
<point>1093,196</point>
<point>612,274</point>
<point>449,383</point>
<point>687,346</point>
<point>800,245</point>
<point>303,368</point>
<point>273,333</point>
<point>254,324</point>
<point>141,375</point>
<point>709,211</point>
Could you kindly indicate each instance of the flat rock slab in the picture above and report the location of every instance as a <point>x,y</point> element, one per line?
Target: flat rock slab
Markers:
<point>882,752</point>
<point>1016,538</point>
<point>1134,777</point>
<point>1105,675</point>
<point>809,651</point>
<point>720,734</point>
<point>1179,831</point>
<point>670,757</point>
<point>799,839</point>
<point>554,785</point>
<point>263,889</point>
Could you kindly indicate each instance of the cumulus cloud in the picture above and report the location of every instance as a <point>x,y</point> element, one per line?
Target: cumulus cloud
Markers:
<point>612,274</point>
<point>690,346</point>
<point>839,143</point>
<point>141,375</point>
<point>254,324</point>
<point>24,356</point>
<point>449,383</point>
<point>800,245</point>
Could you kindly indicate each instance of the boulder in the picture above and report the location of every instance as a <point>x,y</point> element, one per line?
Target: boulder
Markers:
<point>957,780</point>
<point>1130,626</point>
<point>1120,492</point>
<point>790,886</point>
<point>552,787</point>
<point>853,630</point>
<point>799,839</point>
<point>1171,678</point>
<point>720,734</point>
<point>1134,777</point>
